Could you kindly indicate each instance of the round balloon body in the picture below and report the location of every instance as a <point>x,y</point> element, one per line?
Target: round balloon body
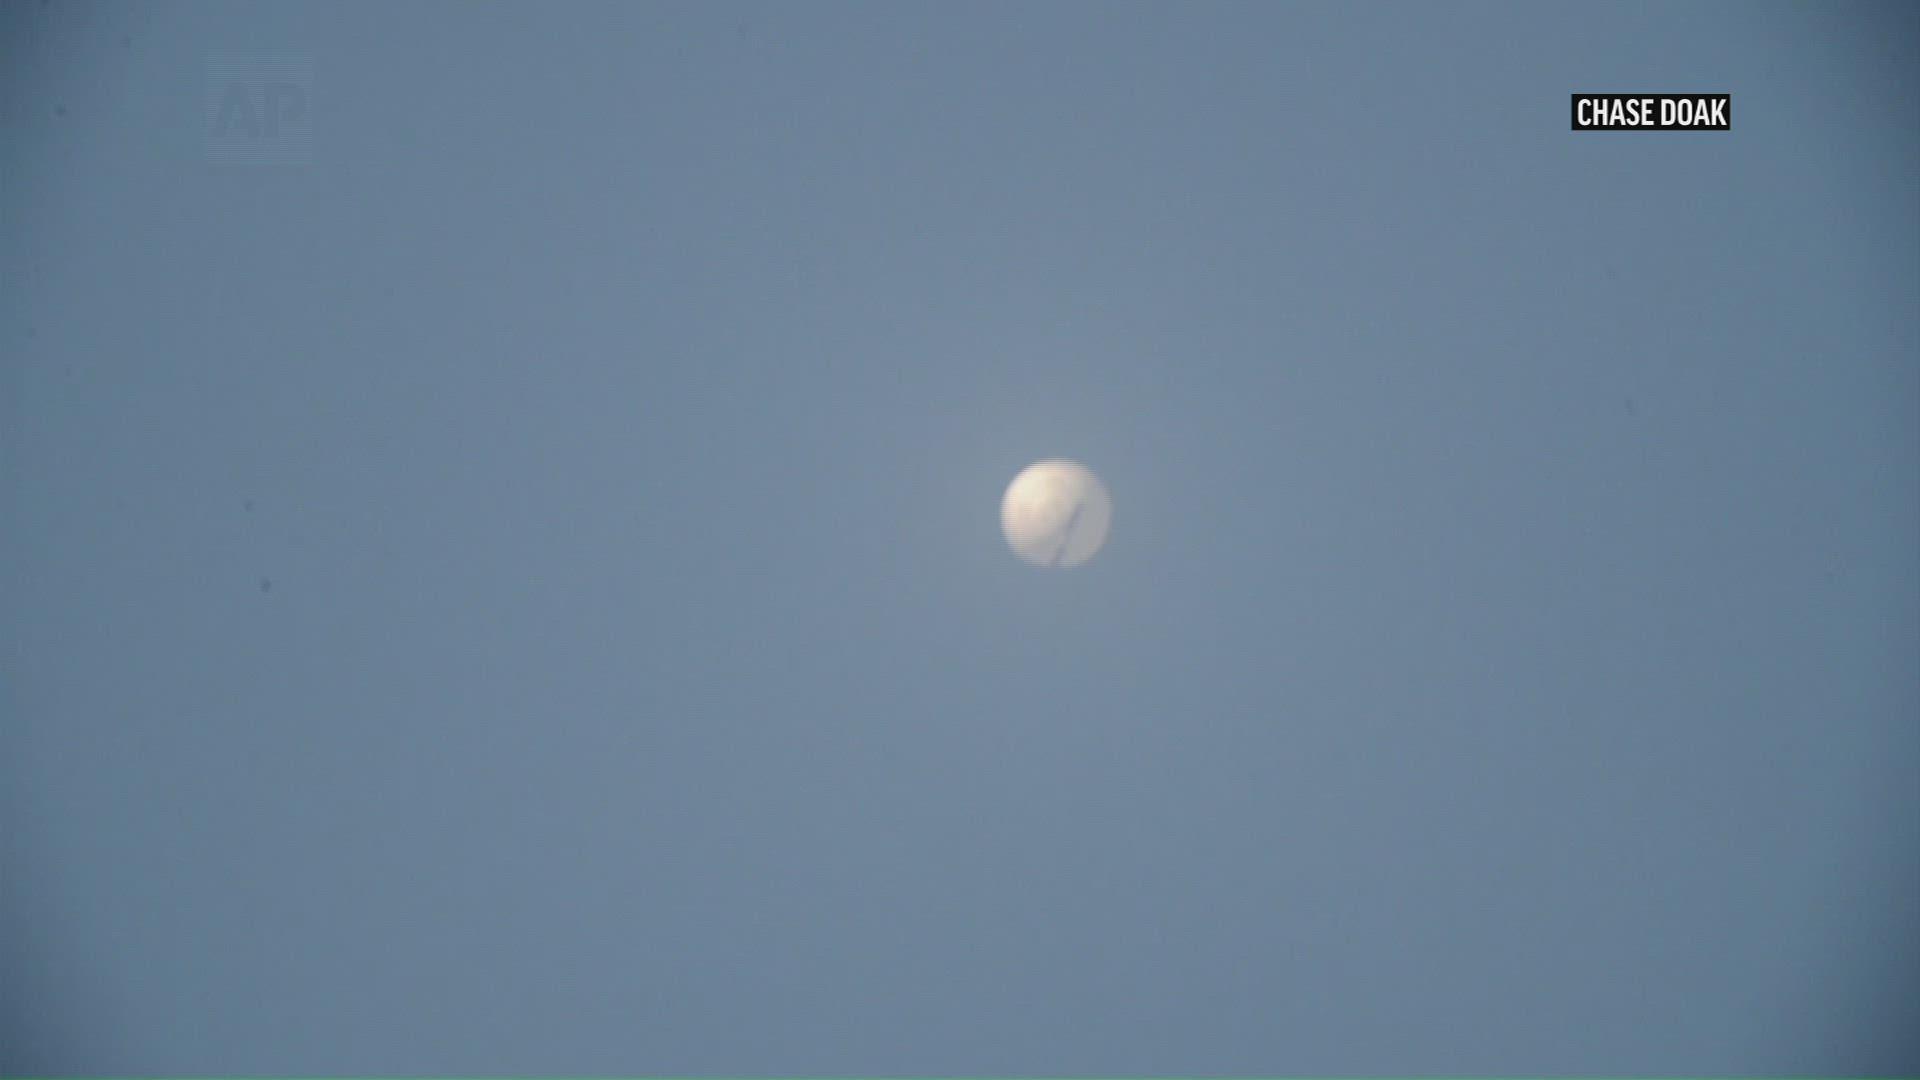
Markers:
<point>1056,513</point>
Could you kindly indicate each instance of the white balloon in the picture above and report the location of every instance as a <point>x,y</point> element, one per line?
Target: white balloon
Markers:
<point>1056,513</point>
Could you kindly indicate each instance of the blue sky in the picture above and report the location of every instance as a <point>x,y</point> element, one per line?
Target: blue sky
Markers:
<point>519,590</point>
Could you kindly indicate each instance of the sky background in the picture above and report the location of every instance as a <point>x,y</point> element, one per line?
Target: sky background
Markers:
<point>520,590</point>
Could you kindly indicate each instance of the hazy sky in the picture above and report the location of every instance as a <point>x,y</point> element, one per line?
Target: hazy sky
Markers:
<point>517,586</point>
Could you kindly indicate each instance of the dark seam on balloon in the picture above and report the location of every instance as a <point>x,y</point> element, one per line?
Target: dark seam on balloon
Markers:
<point>1066,532</point>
